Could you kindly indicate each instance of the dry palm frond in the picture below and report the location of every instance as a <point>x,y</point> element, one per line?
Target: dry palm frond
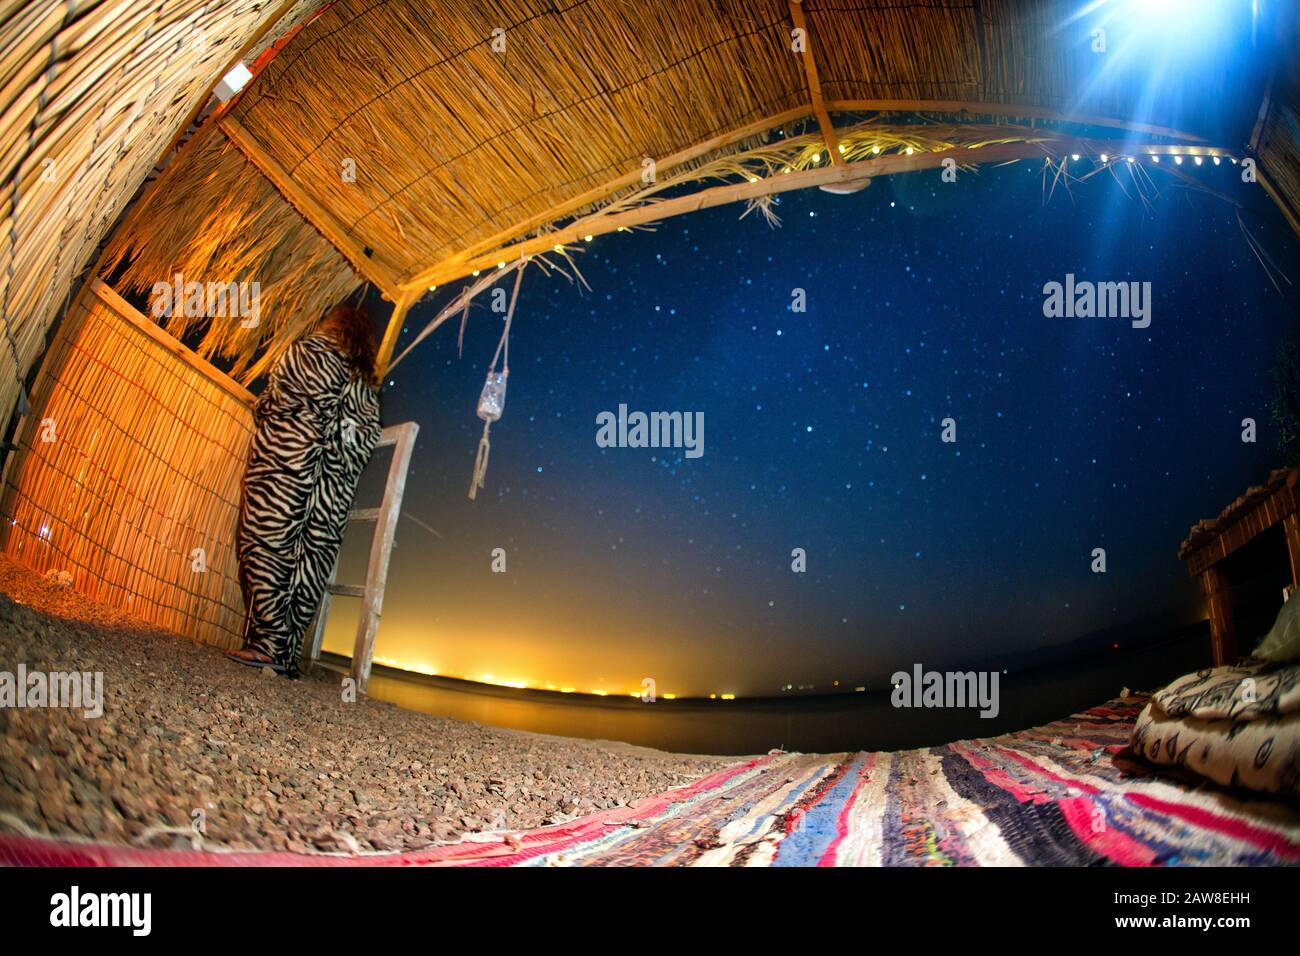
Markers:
<point>230,225</point>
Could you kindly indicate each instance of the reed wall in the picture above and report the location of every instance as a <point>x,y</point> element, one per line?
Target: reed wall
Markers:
<point>129,463</point>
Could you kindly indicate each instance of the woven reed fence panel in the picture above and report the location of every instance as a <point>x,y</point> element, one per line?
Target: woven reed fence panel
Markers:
<point>131,459</point>
<point>91,95</point>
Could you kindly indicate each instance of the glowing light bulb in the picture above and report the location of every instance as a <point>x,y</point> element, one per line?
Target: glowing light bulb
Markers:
<point>1104,158</point>
<point>1178,160</point>
<point>1216,160</point>
<point>1075,157</point>
<point>909,151</point>
<point>586,238</point>
<point>875,149</point>
<point>501,265</point>
<point>474,273</point>
<point>1197,160</point>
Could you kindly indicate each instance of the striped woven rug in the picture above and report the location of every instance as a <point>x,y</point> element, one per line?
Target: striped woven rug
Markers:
<point>1048,796</point>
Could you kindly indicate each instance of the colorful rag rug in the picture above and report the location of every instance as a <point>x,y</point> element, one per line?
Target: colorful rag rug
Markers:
<point>1049,796</point>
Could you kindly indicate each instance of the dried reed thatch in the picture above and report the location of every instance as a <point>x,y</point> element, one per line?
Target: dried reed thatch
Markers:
<point>228,224</point>
<point>92,94</point>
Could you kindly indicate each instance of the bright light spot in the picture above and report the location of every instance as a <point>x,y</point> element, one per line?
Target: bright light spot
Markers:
<point>586,238</point>
<point>909,151</point>
<point>1075,157</point>
<point>1197,160</point>
<point>1178,160</point>
<point>501,265</point>
<point>1104,158</point>
<point>1217,160</point>
<point>232,82</point>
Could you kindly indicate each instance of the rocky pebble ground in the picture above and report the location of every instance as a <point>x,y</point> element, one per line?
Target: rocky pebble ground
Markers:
<point>193,749</point>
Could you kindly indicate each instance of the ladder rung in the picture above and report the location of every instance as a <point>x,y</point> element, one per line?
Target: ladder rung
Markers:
<point>363,514</point>
<point>348,590</point>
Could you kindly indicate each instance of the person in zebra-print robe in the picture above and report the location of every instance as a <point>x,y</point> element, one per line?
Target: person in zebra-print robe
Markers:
<point>317,423</point>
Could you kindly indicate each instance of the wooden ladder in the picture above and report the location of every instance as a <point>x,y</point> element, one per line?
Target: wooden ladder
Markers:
<point>402,438</point>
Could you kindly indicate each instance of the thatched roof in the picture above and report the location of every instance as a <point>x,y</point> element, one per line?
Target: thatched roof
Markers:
<point>466,154</point>
<point>93,93</point>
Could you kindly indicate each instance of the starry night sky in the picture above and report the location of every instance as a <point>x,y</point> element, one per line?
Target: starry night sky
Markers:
<point>822,431</point>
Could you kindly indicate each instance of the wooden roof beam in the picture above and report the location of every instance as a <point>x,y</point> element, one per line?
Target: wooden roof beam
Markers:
<point>731,137</point>
<point>815,84</point>
<point>316,214</point>
<point>597,193</point>
<point>393,331</point>
<point>603,223</point>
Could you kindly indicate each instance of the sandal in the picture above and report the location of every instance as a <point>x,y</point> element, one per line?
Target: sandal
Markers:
<point>243,656</point>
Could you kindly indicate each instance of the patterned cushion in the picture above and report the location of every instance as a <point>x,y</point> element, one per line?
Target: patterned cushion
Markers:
<point>1248,691</point>
<point>1261,754</point>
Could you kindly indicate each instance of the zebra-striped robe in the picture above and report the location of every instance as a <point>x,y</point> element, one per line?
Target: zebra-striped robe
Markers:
<point>316,425</point>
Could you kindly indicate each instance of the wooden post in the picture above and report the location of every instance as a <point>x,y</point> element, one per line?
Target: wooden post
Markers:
<point>394,330</point>
<point>815,85</point>
<point>381,547</point>
<point>1223,637</point>
<point>1291,525</point>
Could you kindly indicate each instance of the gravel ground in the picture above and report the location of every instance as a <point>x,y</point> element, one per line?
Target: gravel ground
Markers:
<point>271,763</point>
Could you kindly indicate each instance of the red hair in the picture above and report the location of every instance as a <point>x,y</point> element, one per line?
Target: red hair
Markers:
<point>351,329</point>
